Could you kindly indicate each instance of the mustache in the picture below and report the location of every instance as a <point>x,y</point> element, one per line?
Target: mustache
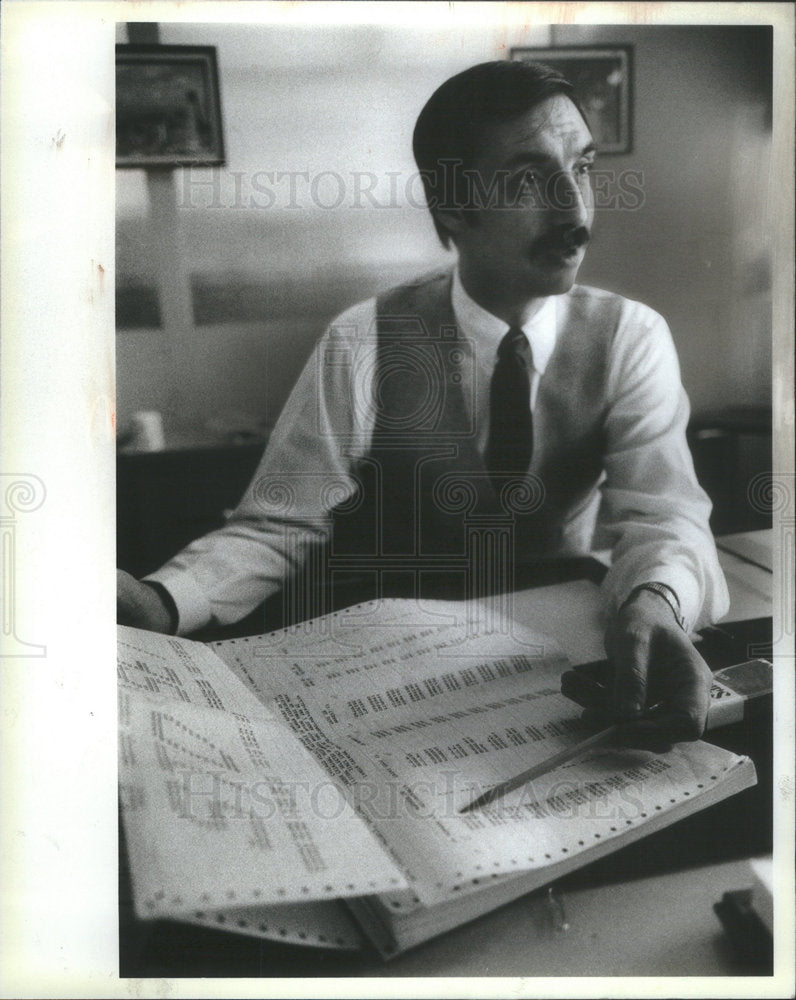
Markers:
<point>567,238</point>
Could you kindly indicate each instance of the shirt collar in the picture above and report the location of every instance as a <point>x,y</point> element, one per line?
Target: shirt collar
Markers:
<point>481,325</point>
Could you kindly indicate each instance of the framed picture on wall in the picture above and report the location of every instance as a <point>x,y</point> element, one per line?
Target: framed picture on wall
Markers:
<point>601,77</point>
<point>168,106</point>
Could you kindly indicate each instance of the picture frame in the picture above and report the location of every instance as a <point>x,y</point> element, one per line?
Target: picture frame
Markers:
<point>602,78</point>
<point>168,106</point>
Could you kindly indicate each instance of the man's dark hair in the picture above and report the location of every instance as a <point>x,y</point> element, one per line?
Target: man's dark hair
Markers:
<point>453,125</point>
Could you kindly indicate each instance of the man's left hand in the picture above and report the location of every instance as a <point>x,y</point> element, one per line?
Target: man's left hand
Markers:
<point>660,693</point>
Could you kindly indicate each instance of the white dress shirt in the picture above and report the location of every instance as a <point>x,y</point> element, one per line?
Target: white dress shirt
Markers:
<point>652,514</point>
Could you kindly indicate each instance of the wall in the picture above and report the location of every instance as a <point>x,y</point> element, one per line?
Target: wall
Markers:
<point>248,273</point>
<point>698,249</point>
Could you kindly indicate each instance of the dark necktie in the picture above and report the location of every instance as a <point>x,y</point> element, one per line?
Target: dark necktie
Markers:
<point>510,442</point>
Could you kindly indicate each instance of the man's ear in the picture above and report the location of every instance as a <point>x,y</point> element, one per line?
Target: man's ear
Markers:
<point>453,221</point>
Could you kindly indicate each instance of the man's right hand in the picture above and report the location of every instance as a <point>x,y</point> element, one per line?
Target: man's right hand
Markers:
<point>139,605</point>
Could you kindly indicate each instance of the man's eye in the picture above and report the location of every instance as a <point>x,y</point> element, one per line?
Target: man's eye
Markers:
<point>585,168</point>
<point>531,177</point>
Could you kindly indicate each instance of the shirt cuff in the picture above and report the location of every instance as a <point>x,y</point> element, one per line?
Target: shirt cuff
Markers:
<point>168,602</point>
<point>193,607</point>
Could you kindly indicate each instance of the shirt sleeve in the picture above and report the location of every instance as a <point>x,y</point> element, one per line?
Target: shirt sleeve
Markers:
<point>305,472</point>
<point>653,513</point>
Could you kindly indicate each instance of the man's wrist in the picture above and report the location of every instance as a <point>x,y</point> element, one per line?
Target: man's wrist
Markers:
<point>663,591</point>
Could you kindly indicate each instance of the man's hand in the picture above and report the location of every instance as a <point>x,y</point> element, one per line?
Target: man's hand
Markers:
<point>140,605</point>
<point>654,663</point>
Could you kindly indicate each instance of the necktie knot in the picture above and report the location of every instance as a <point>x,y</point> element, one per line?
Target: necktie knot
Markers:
<point>514,347</point>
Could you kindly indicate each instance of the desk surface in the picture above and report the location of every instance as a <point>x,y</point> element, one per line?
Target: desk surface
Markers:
<point>554,609</point>
<point>748,561</point>
<point>659,926</point>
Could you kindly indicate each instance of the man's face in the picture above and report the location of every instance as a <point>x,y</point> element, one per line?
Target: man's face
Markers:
<point>529,239</point>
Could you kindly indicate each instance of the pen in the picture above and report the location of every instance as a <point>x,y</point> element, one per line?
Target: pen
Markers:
<point>563,757</point>
<point>600,739</point>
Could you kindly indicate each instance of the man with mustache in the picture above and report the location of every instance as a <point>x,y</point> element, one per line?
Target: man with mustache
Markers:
<point>499,401</point>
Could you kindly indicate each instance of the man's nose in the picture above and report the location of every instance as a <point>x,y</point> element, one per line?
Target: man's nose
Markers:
<point>569,202</point>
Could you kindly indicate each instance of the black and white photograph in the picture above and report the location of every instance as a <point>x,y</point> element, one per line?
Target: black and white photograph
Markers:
<point>426,437</point>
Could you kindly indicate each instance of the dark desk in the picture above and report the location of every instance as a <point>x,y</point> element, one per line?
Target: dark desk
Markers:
<point>731,448</point>
<point>166,499</point>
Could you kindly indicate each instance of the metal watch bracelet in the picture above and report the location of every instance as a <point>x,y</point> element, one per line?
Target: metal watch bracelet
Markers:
<point>662,590</point>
